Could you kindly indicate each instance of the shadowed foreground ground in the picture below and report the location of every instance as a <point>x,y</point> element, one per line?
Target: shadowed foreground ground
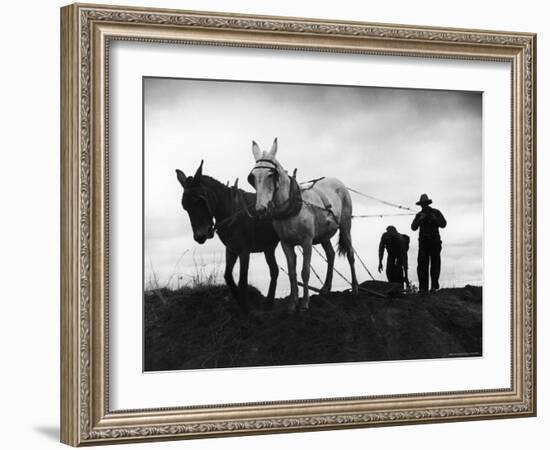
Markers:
<point>197,328</point>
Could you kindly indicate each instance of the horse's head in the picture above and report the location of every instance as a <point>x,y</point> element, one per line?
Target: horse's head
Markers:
<point>265,177</point>
<point>198,204</point>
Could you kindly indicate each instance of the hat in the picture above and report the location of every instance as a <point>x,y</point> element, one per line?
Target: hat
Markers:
<point>424,200</point>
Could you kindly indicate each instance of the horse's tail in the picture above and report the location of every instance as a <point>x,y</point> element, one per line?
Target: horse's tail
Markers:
<point>344,240</point>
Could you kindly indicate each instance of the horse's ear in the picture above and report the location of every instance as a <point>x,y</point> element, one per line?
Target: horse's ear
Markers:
<point>256,151</point>
<point>198,173</point>
<point>181,177</point>
<point>273,150</point>
<point>236,183</point>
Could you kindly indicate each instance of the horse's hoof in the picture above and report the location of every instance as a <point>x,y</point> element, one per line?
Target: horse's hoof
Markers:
<point>303,305</point>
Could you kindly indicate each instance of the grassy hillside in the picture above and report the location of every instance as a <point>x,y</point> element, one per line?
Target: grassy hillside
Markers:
<point>197,328</point>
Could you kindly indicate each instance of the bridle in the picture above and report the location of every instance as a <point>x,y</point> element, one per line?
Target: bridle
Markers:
<point>201,194</point>
<point>273,170</point>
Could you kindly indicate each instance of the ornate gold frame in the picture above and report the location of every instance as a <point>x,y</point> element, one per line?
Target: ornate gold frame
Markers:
<point>86,31</point>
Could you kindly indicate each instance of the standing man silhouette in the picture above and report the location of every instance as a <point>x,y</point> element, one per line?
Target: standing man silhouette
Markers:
<point>429,220</point>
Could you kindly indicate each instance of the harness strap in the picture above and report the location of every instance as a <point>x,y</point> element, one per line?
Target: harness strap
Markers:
<point>263,167</point>
<point>267,161</point>
<point>311,183</point>
<point>323,208</point>
<point>326,203</point>
<point>227,221</point>
<point>325,200</point>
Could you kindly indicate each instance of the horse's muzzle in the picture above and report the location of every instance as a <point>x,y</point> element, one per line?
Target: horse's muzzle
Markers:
<point>202,237</point>
<point>262,212</point>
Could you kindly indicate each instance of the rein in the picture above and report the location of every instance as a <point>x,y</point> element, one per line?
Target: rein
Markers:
<point>218,225</point>
<point>228,221</point>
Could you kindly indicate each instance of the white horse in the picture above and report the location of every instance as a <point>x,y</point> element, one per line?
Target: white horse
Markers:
<point>303,216</point>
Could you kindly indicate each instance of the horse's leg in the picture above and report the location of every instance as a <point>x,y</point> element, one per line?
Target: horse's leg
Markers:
<point>244,259</point>
<point>351,260</point>
<point>329,251</point>
<point>273,273</point>
<point>230,260</point>
<point>306,268</point>
<point>345,246</point>
<point>290,254</point>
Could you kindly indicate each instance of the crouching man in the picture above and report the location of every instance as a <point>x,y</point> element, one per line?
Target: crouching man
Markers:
<point>397,262</point>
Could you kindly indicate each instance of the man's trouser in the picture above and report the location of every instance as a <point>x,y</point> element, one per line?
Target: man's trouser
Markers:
<point>429,262</point>
<point>394,268</point>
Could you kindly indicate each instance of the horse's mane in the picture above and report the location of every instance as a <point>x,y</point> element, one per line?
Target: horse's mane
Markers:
<point>211,182</point>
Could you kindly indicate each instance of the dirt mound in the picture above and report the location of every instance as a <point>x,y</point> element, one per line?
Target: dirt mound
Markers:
<point>203,328</point>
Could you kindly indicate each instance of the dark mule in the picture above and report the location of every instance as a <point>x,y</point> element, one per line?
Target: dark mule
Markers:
<point>206,199</point>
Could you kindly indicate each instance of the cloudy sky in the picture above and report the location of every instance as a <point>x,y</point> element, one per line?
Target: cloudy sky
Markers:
<point>393,144</point>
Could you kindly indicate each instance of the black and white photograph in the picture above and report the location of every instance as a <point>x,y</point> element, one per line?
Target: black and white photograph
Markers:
<point>294,224</point>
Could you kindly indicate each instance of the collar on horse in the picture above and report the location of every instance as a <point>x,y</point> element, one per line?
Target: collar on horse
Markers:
<point>291,206</point>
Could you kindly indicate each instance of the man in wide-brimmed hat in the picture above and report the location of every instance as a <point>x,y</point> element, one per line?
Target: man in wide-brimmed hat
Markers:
<point>397,246</point>
<point>429,220</point>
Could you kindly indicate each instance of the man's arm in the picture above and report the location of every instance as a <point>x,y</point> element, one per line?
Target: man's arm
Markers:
<point>441,222</point>
<point>416,222</point>
<point>406,269</point>
<point>381,252</point>
<point>405,250</point>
